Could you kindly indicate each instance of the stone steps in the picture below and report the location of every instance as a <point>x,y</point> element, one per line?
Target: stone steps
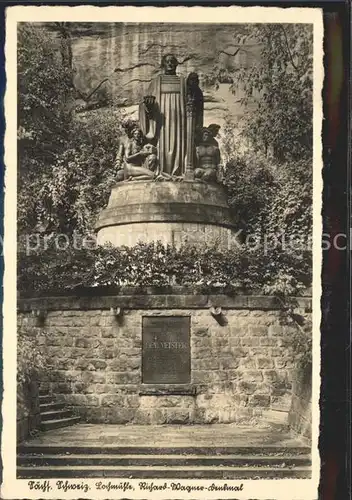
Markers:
<point>44,407</point>
<point>277,451</point>
<point>45,399</point>
<point>53,414</point>
<point>165,472</point>
<point>225,460</point>
<point>49,425</point>
<point>41,461</point>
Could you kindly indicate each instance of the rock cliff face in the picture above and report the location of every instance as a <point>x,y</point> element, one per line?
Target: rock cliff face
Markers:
<point>125,57</point>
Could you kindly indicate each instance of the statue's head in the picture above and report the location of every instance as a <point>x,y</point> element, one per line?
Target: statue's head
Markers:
<point>214,129</point>
<point>206,135</point>
<point>150,149</point>
<point>169,64</point>
<point>137,134</point>
<point>129,126</point>
<point>193,80</point>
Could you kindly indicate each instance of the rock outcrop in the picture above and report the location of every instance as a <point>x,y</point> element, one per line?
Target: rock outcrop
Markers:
<point>118,60</point>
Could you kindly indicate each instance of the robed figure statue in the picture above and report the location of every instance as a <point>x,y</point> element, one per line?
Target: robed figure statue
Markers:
<point>162,117</point>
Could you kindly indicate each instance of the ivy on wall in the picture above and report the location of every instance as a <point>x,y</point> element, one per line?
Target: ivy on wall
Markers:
<point>52,270</point>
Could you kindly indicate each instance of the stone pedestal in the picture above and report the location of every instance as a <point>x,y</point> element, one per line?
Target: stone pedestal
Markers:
<point>172,212</point>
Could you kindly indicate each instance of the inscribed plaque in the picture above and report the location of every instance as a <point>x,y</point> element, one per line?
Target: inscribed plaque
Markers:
<point>166,350</point>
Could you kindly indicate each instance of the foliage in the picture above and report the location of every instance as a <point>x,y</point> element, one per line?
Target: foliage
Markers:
<point>53,271</point>
<point>273,203</point>
<point>275,89</point>
<point>66,162</point>
<point>78,185</point>
<point>282,80</point>
<point>44,90</point>
<point>30,359</point>
<point>298,338</point>
<point>268,152</point>
<point>300,341</point>
<point>243,176</point>
<point>44,87</point>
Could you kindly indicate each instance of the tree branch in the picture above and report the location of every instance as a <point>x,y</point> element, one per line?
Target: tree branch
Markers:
<point>288,49</point>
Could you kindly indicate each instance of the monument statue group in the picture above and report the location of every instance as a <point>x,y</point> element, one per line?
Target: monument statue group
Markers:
<point>171,142</point>
<point>168,143</point>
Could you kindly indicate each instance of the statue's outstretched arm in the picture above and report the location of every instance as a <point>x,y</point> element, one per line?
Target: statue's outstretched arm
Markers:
<point>149,111</point>
<point>147,121</point>
<point>218,157</point>
<point>119,156</point>
<point>136,156</point>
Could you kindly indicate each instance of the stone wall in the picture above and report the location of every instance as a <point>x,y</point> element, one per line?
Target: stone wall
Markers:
<point>28,417</point>
<point>239,368</point>
<point>300,415</point>
<point>28,412</point>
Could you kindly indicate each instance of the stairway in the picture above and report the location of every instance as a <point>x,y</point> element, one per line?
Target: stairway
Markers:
<point>54,414</point>
<point>53,461</point>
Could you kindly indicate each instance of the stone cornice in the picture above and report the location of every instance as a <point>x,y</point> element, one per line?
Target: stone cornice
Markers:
<point>169,299</point>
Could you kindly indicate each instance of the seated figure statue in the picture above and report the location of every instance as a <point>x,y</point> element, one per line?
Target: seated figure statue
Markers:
<point>208,158</point>
<point>136,160</point>
<point>214,130</point>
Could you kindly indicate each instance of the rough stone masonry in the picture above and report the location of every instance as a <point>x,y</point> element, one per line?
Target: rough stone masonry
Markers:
<point>237,368</point>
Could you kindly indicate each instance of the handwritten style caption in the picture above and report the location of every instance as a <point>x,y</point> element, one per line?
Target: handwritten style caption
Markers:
<point>46,486</point>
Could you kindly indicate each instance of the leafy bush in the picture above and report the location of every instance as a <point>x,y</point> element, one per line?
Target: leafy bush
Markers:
<point>66,161</point>
<point>276,89</point>
<point>273,202</point>
<point>298,339</point>
<point>52,270</point>
<point>31,361</point>
<point>44,92</point>
<point>79,182</point>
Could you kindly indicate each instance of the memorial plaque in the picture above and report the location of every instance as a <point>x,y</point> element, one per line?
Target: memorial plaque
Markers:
<point>166,350</point>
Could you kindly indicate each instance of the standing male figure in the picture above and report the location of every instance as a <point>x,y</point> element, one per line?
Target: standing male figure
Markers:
<point>162,117</point>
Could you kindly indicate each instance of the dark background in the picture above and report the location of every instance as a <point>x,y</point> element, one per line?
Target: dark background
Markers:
<point>335,400</point>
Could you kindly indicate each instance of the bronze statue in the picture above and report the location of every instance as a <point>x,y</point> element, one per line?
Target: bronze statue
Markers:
<point>171,118</point>
<point>214,130</point>
<point>208,158</point>
<point>162,117</point>
<point>136,160</point>
<point>195,95</point>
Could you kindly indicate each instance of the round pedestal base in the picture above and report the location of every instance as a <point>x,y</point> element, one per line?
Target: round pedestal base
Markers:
<point>171,212</point>
<point>172,233</point>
